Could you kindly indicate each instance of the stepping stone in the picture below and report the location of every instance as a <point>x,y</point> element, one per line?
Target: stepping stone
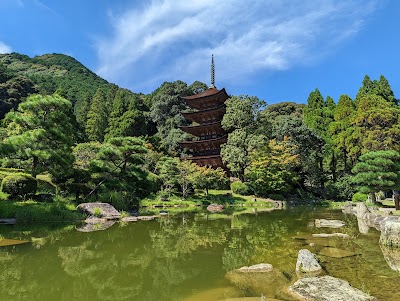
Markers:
<point>336,253</point>
<point>329,223</point>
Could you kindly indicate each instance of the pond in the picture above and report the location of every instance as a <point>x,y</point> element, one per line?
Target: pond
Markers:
<point>183,257</point>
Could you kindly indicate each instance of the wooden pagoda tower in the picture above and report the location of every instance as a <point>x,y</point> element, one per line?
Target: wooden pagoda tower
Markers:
<point>209,107</point>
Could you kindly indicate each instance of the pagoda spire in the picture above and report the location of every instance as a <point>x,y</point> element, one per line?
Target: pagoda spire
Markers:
<point>212,72</point>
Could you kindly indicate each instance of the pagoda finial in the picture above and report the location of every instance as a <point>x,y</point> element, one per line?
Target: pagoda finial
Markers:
<point>212,72</point>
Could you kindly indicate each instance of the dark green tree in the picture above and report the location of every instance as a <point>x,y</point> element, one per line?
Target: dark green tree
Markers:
<point>97,117</point>
<point>241,120</point>
<point>378,170</point>
<point>40,136</point>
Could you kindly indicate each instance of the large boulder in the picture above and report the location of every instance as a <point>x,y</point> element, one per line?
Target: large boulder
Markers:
<point>390,233</point>
<point>307,262</point>
<point>326,288</point>
<point>260,279</point>
<point>392,257</point>
<point>97,209</point>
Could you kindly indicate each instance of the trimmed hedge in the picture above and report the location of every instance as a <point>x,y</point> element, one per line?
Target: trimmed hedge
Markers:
<point>241,188</point>
<point>19,184</point>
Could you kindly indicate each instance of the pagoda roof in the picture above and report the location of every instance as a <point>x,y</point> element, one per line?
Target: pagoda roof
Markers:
<point>198,130</point>
<point>199,145</point>
<point>211,160</point>
<point>199,116</point>
<point>211,97</point>
<point>206,93</point>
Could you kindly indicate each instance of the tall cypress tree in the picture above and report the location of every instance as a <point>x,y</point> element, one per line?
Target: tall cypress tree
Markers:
<point>97,117</point>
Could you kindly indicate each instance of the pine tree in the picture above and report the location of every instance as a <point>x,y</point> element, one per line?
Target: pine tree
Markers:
<point>377,170</point>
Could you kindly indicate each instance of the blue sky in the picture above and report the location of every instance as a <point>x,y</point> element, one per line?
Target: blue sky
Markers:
<point>277,50</point>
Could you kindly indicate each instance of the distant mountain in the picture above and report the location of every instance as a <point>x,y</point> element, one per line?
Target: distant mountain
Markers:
<point>50,72</point>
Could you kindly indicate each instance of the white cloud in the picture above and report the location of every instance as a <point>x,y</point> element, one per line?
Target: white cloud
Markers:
<point>4,48</point>
<point>170,39</point>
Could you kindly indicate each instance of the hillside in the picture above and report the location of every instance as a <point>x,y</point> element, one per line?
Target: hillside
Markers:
<point>50,72</point>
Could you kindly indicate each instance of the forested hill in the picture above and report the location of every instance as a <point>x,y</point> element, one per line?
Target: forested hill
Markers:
<point>101,109</point>
<point>45,74</point>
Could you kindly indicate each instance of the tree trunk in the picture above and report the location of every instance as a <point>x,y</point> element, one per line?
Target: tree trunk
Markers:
<point>333,167</point>
<point>206,190</point>
<point>396,199</point>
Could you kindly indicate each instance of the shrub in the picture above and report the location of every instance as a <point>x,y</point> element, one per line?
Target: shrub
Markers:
<point>359,197</point>
<point>19,184</point>
<point>240,188</point>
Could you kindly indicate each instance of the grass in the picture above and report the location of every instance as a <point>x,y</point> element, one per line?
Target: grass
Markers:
<point>32,211</point>
<point>224,197</point>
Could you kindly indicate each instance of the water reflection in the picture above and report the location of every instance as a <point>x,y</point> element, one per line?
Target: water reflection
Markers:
<point>172,258</point>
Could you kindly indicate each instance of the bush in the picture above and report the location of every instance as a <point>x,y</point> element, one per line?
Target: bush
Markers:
<point>241,188</point>
<point>359,197</point>
<point>153,182</point>
<point>19,184</point>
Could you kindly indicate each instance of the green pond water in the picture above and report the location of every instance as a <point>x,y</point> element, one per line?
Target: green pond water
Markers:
<point>185,257</point>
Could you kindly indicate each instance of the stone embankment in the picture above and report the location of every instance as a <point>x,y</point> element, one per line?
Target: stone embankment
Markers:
<point>388,225</point>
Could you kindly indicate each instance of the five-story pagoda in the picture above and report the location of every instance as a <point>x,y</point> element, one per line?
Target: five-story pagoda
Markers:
<point>209,107</point>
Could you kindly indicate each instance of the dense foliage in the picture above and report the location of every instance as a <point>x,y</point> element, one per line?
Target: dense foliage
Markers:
<point>69,129</point>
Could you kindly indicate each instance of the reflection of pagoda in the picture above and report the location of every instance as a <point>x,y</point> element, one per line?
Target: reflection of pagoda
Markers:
<point>210,109</point>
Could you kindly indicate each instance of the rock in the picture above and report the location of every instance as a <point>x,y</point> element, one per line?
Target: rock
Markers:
<point>104,210</point>
<point>326,235</point>
<point>390,233</point>
<point>8,221</point>
<point>387,211</point>
<point>361,209</point>
<point>92,226</point>
<point>307,262</point>
<point>95,220</point>
<point>392,257</point>
<point>326,223</point>
<point>261,267</point>
<point>362,226</point>
<point>130,219</point>
<point>163,212</point>
<point>215,208</point>
<point>146,217</point>
<point>326,288</point>
<point>12,242</point>
<point>336,253</point>
<point>258,279</point>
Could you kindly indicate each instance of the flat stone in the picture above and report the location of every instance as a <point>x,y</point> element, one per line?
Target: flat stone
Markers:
<point>336,253</point>
<point>327,235</point>
<point>103,210</point>
<point>146,217</point>
<point>326,288</point>
<point>12,242</point>
<point>258,268</point>
<point>8,221</point>
<point>95,220</point>
<point>258,279</point>
<point>327,223</point>
<point>307,262</point>
<point>130,219</point>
